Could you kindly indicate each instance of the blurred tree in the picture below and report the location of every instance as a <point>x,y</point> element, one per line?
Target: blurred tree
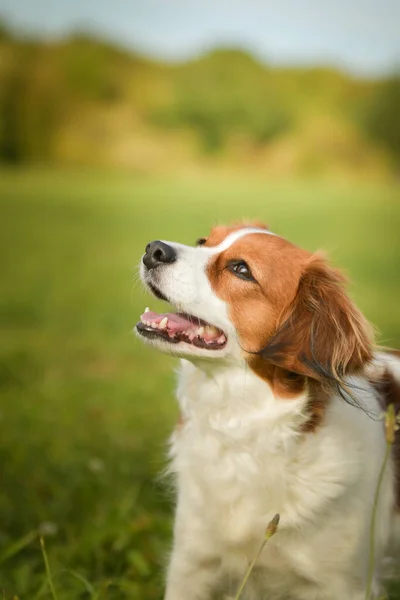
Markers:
<point>382,117</point>
<point>82,99</point>
<point>5,32</point>
<point>11,142</point>
<point>30,106</point>
<point>89,68</point>
<point>10,87</point>
<point>224,93</point>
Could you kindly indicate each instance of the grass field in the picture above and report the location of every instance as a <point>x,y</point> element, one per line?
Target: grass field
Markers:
<point>85,408</point>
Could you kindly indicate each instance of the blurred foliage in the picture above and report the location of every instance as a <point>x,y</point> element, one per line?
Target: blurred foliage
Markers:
<point>224,93</point>
<point>5,33</point>
<point>382,117</point>
<point>82,100</point>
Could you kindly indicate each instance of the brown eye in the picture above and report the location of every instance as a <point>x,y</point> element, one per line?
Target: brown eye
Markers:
<point>201,241</point>
<point>241,269</point>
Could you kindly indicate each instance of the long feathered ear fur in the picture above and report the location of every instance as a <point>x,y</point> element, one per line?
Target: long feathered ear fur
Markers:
<point>323,335</point>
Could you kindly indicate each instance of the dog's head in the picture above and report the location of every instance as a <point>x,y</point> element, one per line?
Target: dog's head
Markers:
<point>246,294</point>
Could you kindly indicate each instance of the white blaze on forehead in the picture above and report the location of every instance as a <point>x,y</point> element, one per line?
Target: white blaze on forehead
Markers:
<point>234,237</point>
<point>227,242</point>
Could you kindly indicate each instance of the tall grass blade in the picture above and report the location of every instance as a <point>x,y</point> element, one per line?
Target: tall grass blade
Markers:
<point>48,571</point>
<point>88,586</point>
<point>390,428</point>
<point>270,531</point>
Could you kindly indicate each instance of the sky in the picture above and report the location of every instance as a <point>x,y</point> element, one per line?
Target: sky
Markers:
<point>360,36</point>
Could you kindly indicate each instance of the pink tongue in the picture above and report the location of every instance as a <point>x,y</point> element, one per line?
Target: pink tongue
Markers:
<point>175,322</point>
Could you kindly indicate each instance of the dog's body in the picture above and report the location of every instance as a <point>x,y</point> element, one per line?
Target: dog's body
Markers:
<point>239,459</point>
<point>263,429</point>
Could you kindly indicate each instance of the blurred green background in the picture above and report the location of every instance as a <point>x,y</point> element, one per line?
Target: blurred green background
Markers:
<point>81,100</point>
<point>102,150</point>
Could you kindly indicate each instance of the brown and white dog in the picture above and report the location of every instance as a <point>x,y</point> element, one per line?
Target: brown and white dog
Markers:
<point>280,397</point>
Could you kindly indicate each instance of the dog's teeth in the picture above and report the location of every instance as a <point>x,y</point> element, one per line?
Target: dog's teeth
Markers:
<point>211,331</point>
<point>200,331</point>
<point>221,339</point>
<point>148,323</point>
<point>146,309</point>
<point>154,325</point>
<point>163,323</point>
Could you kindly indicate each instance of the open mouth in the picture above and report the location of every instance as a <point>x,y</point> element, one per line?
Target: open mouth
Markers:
<point>180,327</point>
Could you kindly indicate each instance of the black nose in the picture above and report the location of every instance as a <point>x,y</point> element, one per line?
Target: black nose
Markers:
<point>158,253</point>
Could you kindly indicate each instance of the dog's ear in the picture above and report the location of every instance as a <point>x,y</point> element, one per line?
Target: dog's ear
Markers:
<point>323,335</point>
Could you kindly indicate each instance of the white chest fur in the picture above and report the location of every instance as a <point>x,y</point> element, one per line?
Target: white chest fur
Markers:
<point>239,458</point>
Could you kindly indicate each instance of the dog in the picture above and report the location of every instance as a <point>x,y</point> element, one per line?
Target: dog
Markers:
<point>281,396</point>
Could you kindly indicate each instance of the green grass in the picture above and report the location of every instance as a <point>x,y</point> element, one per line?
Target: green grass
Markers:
<point>85,408</point>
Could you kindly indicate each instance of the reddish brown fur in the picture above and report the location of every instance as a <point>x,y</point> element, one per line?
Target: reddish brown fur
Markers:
<point>296,317</point>
<point>288,385</point>
<point>256,309</point>
<point>283,383</point>
<point>389,393</point>
<point>323,334</point>
<point>316,406</point>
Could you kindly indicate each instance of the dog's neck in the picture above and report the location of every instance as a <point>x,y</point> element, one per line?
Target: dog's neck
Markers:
<point>230,398</point>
